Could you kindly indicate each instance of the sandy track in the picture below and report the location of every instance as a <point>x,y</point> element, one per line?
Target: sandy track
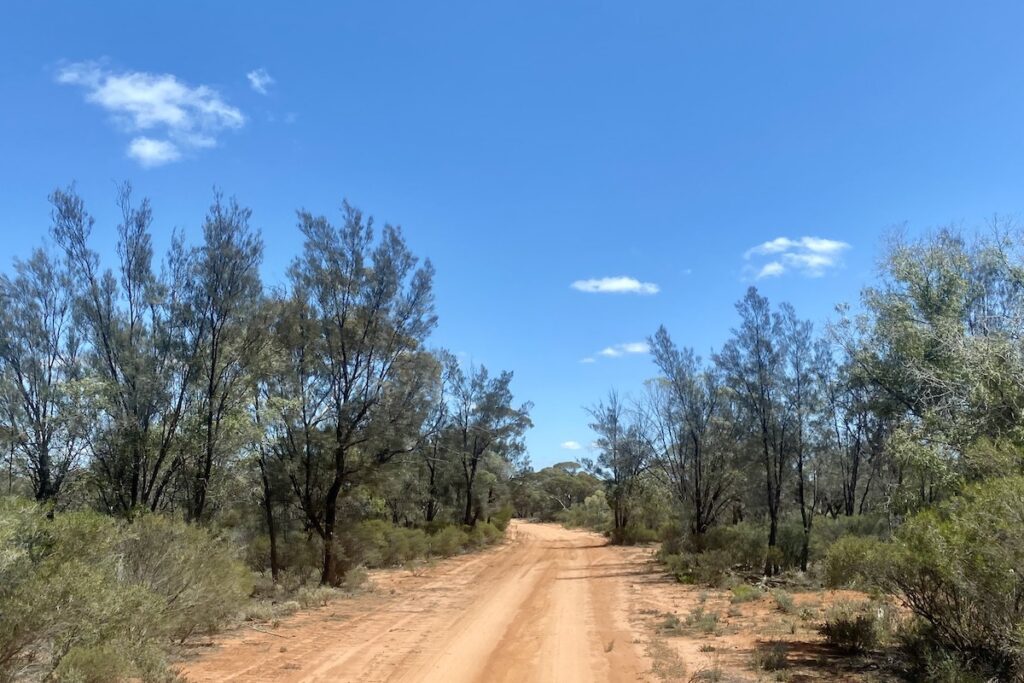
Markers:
<point>548,605</point>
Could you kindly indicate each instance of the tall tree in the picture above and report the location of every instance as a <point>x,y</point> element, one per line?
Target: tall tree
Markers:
<point>693,438</point>
<point>483,419</point>
<point>801,396</point>
<point>40,372</point>
<point>624,455</point>
<point>753,362</point>
<point>222,296</point>
<point>138,351</point>
<point>363,311</point>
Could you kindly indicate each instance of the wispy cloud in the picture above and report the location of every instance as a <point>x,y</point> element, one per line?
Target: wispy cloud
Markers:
<point>571,445</point>
<point>615,285</point>
<point>260,80</point>
<point>810,256</point>
<point>176,117</point>
<point>619,350</point>
<point>624,349</point>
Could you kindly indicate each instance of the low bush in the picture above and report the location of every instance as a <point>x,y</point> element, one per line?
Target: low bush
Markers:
<point>744,593</point>
<point>593,513</point>
<point>770,656</point>
<point>959,568</point>
<point>851,562</point>
<point>852,629</point>
<point>502,517</point>
<point>484,534</point>
<point>784,601</point>
<point>87,597</point>
<point>634,534</point>
<point>449,541</point>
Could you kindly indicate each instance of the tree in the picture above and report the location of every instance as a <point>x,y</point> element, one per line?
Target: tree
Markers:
<point>137,351</point>
<point>355,379</point>
<point>222,296</point>
<point>624,455</point>
<point>753,362</point>
<point>691,432</point>
<point>801,399</point>
<point>41,367</point>
<point>484,420</point>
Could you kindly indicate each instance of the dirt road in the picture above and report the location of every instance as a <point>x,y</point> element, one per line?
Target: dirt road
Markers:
<point>548,605</point>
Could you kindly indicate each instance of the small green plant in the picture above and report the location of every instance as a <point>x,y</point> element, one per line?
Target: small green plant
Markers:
<point>701,621</point>
<point>744,593</point>
<point>671,626</point>
<point>784,601</point>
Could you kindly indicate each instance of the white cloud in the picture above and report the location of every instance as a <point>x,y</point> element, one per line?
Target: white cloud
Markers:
<point>615,285</point>
<point>810,256</point>
<point>624,349</point>
<point>150,152</point>
<point>177,116</point>
<point>588,359</point>
<point>772,269</point>
<point>259,79</point>
<point>571,445</point>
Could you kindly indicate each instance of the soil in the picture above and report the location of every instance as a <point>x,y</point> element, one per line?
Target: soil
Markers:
<point>549,604</point>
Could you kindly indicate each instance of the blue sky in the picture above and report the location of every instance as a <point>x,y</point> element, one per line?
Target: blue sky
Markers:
<point>528,146</point>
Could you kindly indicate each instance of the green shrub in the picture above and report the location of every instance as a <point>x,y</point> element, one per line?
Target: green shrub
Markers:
<point>701,621</point>
<point>593,513</point>
<point>713,567</point>
<point>784,601</point>
<point>502,517</point>
<point>634,534</point>
<point>744,593</point>
<point>484,534</point>
<point>448,541</point>
<point>958,568</point>
<point>745,543</point>
<point>87,597</point>
<point>852,629</point>
<point>852,562</point>
<point>197,578</point>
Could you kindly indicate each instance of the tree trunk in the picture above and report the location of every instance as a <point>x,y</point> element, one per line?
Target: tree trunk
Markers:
<point>268,510</point>
<point>329,573</point>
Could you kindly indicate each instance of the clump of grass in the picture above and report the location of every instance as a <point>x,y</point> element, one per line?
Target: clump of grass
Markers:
<point>784,601</point>
<point>707,647</point>
<point>770,656</point>
<point>744,593</point>
<point>671,626</point>
<point>667,665</point>
<point>701,621</point>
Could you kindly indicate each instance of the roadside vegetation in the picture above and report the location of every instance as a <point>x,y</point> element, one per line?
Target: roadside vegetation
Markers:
<point>881,452</point>
<point>184,447</point>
